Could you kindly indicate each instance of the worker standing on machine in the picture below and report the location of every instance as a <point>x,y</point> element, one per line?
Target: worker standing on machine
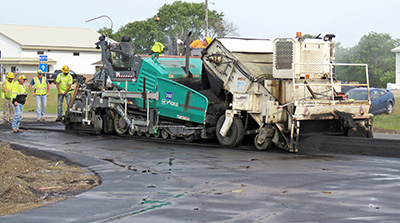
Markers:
<point>63,83</point>
<point>157,49</point>
<point>6,94</point>
<point>201,43</point>
<point>18,99</point>
<point>40,92</point>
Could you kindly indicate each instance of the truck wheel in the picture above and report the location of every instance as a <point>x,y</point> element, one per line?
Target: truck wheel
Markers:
<point>164,134</point>
<point>263,146</point>
<point>235,134</point>
<point>108,119</point>
<point>131,131</point>
<point>119,124</point>
<point>157,134</point>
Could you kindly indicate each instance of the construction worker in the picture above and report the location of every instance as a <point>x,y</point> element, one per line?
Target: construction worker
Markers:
<point>201,43</point>
<point>18,99</point>
<point>40,89</point>
<point>6,94</point>
<point>63,82</point>
<point>208,40</point>
<point>157,48</point>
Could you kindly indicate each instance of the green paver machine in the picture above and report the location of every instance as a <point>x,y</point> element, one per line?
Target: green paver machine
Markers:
<point>140,94</point>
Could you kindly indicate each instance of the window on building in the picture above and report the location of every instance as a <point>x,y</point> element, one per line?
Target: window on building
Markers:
<point>13,69</point>
<point>76,53</point>
<point>40,52</point>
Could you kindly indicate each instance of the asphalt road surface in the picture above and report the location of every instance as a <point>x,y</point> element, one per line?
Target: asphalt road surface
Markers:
<point>148,180</point>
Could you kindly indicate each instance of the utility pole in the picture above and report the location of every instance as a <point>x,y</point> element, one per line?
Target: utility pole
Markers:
<point>157,19</point>
<point>206,19</point>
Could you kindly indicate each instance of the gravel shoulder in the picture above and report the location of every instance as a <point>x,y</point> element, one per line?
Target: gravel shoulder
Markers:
<point>31,178</point>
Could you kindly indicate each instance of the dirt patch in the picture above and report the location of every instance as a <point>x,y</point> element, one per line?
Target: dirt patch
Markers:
<point>387,131</point>
<point>32,178</point>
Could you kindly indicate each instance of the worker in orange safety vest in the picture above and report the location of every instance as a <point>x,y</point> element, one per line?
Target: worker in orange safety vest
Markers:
<point>201,43</point>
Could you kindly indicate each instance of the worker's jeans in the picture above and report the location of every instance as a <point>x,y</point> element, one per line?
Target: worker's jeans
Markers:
<point>8,110</point>
<point>60,103</point>
<point>19,109</point>
<point>41,101</point>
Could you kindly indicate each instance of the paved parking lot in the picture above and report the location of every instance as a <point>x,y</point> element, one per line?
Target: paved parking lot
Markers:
<point>146,180</point>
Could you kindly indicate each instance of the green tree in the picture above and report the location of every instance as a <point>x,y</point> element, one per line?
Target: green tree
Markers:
<point>373,49</point>
<point>176,20</point>
<point>309,36</point>
<point>143,32</point>
<point>106,31</point>
<point>180,17</point>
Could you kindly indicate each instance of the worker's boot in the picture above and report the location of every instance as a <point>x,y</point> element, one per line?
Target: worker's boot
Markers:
<point>20,130</point>
<point>15,130</point>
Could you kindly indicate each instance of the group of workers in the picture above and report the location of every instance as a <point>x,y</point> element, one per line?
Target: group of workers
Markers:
<point>14,95</point>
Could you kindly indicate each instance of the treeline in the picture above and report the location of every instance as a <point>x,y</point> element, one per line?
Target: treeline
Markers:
<point>373,49</point>
<point>176,20</point>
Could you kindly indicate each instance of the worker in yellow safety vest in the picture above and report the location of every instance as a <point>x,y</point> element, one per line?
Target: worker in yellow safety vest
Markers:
<point>63,82</point>
<point>40,89</point>
<point>18,99</point>
<point>6,94</point>
<point>157,48</point>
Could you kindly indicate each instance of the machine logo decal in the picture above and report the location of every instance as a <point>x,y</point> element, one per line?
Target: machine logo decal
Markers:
<point>169,102</point>
<point>168,95</point>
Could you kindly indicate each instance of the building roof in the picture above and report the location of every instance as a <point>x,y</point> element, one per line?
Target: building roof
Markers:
<point>53,38</point>
<point>396,50</point>
<point>24,61</point>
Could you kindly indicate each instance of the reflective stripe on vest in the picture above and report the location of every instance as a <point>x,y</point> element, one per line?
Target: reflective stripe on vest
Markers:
<point>63,81</point>
<point>7,89</point>
<point>40,87</point>
<point>21,90</point>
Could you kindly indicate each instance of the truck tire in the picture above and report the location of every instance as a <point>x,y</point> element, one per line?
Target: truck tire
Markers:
<point>267,144</point>
<point>108,122</point>
<point>235,134</point>
<point>119,125</point>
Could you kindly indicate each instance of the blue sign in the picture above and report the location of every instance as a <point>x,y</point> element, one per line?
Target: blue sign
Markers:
<point>168,95</point>
<point>43,67</point>
<point>42,57</point>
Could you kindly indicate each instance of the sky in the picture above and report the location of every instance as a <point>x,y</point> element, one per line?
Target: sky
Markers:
<point>349,20</point>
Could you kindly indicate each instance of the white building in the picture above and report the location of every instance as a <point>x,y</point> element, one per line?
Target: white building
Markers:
<point>397,52</point>
<point>21,46</point>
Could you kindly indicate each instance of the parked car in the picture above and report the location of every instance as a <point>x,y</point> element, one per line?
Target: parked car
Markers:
<point>381,100</point>
<point>53,76</point>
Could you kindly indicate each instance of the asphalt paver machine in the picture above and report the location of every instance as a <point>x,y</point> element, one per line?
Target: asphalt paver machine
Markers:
<point>270,91</point>
<point>279,90</point>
